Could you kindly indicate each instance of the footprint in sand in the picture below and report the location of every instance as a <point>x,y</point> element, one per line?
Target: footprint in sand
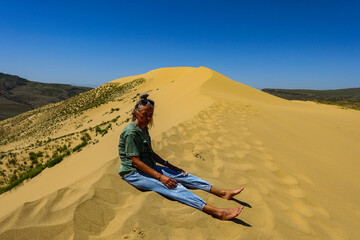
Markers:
<point>246,166</point>
<point>241,154</point>
<point>174,138</point>
<point>225,143</point>
<point>296,192</point>
<point>298,222</point>
<point>320,212</point>
<point>302,208</point>
<point>210,139</point>
<point>271,166</point>
<point>286,179</point>
<point>136,233</point>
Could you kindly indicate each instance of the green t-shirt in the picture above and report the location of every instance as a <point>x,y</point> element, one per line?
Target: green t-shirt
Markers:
<point>134,142</point>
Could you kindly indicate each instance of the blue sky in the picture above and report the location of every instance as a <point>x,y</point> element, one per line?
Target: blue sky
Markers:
<point>279,44</point>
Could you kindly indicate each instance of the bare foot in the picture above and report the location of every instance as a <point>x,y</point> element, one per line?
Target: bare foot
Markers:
<point>229,213</point>
<point>223,213</point>
<point>229,194</point>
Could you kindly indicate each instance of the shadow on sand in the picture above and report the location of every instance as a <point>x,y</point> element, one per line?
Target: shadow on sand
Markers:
<point>242,203</point>
<point>238,221</point>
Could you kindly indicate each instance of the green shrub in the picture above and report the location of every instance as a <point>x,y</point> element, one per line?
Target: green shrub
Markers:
<point>61,149</point>
<point>102,131</point>
<point>114,109</point>
<point>115,119</point>
<point>55,161</point>
<point>12,161</point>
<point>33,156</point>
<point>80,146</point>
<point>34,172</point>
<point>30,174</point>
<point>13,178</point>
<point>86,137</point>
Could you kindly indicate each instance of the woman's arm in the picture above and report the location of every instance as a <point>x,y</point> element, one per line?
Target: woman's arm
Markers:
<point>167,181</point>
<point>158,159</point>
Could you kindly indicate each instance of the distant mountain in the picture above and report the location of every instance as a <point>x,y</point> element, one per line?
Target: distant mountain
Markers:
<point>349,94</point>
<point>18,95</point>
<point>346,98</point>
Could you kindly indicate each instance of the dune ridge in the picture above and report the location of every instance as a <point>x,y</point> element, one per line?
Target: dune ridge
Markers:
<point>296,160</point>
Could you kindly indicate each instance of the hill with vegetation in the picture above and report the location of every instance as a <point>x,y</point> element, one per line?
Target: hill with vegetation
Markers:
<point>18,95</point>
<point>35,127</point>
<point>347,98</point>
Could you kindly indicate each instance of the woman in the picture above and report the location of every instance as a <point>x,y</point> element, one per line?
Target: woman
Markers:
<point>138,167</point>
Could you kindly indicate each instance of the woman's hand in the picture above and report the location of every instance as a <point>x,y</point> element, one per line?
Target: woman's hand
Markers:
<point>168,182</point>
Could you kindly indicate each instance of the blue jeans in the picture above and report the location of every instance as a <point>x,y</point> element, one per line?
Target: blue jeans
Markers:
<point>180,193</point>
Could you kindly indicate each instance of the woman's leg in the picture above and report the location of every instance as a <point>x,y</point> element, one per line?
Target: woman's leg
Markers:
<point>226,194</point>
<point>180,193</point>
<point>188,180</point>
<point>195,182</point>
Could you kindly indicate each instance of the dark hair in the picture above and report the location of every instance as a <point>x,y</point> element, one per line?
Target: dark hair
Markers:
<point>143,101</point>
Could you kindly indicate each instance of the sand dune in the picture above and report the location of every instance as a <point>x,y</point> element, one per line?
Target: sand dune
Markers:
<point>298,163</point>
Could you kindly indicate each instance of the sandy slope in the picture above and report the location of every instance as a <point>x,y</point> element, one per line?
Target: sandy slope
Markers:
<point>298,162</point>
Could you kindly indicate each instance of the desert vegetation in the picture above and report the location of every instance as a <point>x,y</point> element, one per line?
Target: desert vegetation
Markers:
<point>34,158</point>
<point>35,121</point>
<point>32,136</point>
<point>29,164</point>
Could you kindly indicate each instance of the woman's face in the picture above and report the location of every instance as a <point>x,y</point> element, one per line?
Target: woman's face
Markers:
<point>144,115</point>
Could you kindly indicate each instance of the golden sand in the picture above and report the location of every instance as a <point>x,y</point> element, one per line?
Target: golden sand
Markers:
<point>298,162</point>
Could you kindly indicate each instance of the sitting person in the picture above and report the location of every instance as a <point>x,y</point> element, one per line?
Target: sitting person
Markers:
<point>138,167</point>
